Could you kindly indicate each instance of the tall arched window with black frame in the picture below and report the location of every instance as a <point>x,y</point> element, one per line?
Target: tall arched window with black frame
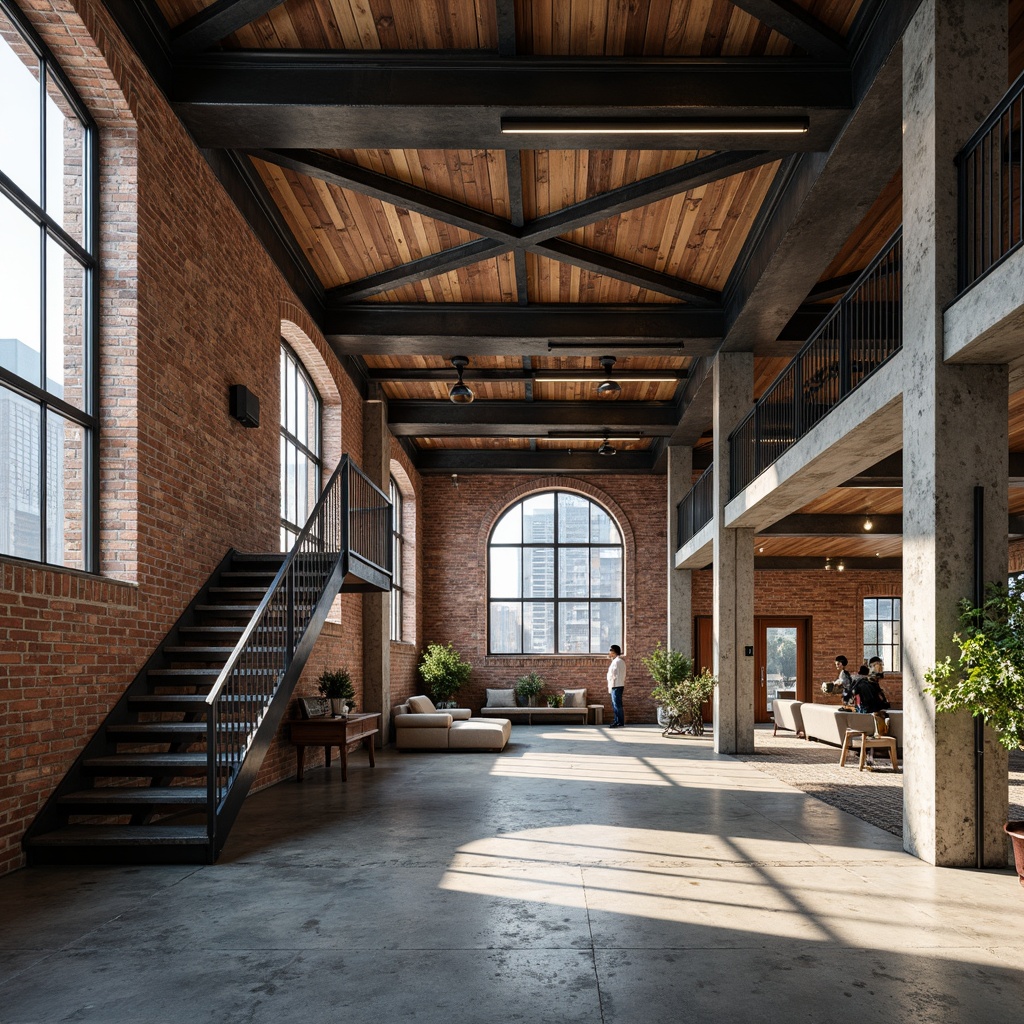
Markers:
<point>48,308</point>
<point>300,446</point>
<point>555,577</point>
<point>398,545</point>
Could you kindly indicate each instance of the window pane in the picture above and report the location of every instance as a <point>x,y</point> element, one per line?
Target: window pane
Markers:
<point>65,492</point>
<point>20,492</point>
<point>19,126</point>
<point>539,519</point>
<point>602,529</point>
<point>509,529</point>
<point>605,625</point>
<point>538,572</point>
<point>65,325</point>
<point>313,425</point>
<point>301,405</point>
<point>65,164</point>
<point>606,572</point>
<point>573,572</point>
<point>538,627</point>
<point>506,627</point>
<point>870,608</point>
<point>506,572</point>
<point>573,519</point>
<point>20,267</point>
<point>284,479</point>
<point>884,608</point>
<point>896,608</point>
<point>870,634</point>
<point>574,627</point>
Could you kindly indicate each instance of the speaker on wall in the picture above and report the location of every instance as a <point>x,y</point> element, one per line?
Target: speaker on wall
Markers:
<point>245,406</point>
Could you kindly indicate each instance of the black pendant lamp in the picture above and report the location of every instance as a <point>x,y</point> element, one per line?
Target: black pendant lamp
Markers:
<point>606,448</point>
<point>608,387</point>
<point>460,393</point>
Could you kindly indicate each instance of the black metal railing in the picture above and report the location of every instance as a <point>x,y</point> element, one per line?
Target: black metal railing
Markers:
<point>351,521</point>
<point>863,330</point>
<point>991,216</point>
<point>697,508</point>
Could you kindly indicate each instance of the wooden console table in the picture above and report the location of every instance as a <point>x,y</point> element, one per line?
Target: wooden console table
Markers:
<point>344,733</point>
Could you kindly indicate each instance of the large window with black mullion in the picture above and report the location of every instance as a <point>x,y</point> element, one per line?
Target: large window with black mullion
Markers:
<point>555,577</point>
<point>300,447</point>
<point>48,281</point>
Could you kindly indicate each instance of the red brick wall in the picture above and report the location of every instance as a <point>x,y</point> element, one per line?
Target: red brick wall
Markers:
<point>190,304</point>
<point>456,525</point>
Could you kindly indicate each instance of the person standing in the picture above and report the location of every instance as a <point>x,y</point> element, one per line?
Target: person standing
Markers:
<point>616,683</point>
<point>844,681</point>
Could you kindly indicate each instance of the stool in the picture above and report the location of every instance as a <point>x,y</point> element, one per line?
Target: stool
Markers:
<point>596,712</point>
<point>869,742</point>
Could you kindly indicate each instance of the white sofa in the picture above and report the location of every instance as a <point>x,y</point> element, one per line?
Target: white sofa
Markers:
<point>828,723</point>
<point>420,726</point>
<point>786,715</point>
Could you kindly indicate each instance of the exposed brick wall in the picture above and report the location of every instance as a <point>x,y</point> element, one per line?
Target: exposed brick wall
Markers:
<point>456,525</point>
<point>190,304</point>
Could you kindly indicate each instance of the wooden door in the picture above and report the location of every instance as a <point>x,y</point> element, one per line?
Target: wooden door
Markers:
<point>704,655</point>
<point>780,662</point>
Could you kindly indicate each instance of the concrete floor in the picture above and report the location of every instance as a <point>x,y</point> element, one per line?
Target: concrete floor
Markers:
<point>583,875</point>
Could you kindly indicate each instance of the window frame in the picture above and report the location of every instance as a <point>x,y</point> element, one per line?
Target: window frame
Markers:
<point>289,439</point>
<point>84,254</point>
<point>556,600</point>
<point>894,649</point>
<point>397,552</point>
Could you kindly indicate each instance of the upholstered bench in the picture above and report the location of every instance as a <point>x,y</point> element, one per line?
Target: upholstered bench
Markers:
<point>532,715</point>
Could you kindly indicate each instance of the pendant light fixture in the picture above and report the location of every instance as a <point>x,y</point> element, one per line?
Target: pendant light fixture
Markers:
<point>608,387</point>
<point>460,393</point>
<point>606,448</point>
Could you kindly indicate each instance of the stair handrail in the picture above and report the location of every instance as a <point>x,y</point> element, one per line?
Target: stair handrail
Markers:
<point>316,563</point>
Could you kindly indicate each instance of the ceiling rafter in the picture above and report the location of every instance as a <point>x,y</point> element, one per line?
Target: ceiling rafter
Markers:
<point>792,21</point>
<point>215,22</point>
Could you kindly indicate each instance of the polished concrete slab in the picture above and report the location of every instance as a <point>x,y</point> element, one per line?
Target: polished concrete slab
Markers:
<point>582,875</point>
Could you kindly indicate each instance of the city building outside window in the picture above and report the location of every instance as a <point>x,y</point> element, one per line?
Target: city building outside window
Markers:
<point>882,631</point>
<point>398,544</point>
<point>300,447</point>
<point>48,462</point>
<point>555,577</point>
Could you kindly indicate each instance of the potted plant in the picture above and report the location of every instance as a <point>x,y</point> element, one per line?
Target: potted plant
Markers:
<point>555,700</point>
<point>443,673</point>
<point>679,693</point>
<point>528,688</point>
<point>337,686</point>
<point>988,677</point>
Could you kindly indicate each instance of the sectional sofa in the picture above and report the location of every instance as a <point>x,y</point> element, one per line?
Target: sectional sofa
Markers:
<point>827,722</point>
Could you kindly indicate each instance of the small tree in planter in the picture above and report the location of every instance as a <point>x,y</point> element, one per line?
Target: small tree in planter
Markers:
<point>528,689</point>
<point>679,693</point>
<point>337,686</point>
<point>988,677</point>
<point>443,672</point>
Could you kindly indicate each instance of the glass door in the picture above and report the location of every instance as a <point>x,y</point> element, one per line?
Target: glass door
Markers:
<point>780,663</point>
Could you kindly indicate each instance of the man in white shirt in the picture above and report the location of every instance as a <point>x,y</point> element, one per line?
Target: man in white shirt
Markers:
<point>616,682</point>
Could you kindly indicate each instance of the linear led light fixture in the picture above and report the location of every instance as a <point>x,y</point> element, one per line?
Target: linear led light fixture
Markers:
<point>689,126</point>
<point>592,379</point>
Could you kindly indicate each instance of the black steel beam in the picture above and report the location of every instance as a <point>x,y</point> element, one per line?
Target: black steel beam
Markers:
<point>792,21</point>
<point>543,462</point>
<point>763,563</point>
<point>529,419</point>
<point>522,330</point>
<point>526,374</point>
<point>429,100</point>
<point>834,526</point>
<point>887,473</point>
<point>215,22</point>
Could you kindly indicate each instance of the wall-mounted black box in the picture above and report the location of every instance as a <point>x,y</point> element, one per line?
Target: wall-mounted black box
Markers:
<point>245,406</point>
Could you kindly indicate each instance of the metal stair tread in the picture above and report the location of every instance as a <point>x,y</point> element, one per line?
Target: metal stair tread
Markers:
<point>137,795</point>
<point>171,728</point>
<point>123,835</point>
<point>147,760</point>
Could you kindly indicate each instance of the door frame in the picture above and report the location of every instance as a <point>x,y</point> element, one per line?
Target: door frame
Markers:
<point>804,660</point>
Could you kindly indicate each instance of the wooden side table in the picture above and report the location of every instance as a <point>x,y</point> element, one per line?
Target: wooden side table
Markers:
<point>347,734</point>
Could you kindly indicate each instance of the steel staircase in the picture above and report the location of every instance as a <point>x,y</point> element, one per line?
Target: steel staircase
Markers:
<point>165,775</point>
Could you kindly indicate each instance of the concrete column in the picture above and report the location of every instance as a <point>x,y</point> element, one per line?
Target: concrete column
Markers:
<point>680,607</point>
<point>733,568</point>
<point>954,428</point>
<point>377,606</point>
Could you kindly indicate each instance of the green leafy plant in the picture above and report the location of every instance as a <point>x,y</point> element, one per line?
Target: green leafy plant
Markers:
<point>988,677</point>
<point>336,685</point>
<point>528,687</point>
<point>678,691</point>
<point>443,671</point>
<point>555,700</point>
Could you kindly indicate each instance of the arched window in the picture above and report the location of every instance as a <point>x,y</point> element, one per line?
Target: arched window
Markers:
<point>48,308</point>
<point>300,447</point>
<point>398,550</point>
<point>555,577</point>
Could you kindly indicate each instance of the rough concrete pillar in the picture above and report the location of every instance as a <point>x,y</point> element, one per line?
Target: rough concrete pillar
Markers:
<point>954,428</point>
<point>377,606</point>
<point>680,613</point>
<point>733,568</point>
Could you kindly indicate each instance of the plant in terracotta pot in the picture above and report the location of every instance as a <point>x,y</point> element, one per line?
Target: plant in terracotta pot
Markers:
<point>679,694</point>
<point>528,689</point>
<point>443,673</point>
<point>988,677</point>
<point>337,687</point>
